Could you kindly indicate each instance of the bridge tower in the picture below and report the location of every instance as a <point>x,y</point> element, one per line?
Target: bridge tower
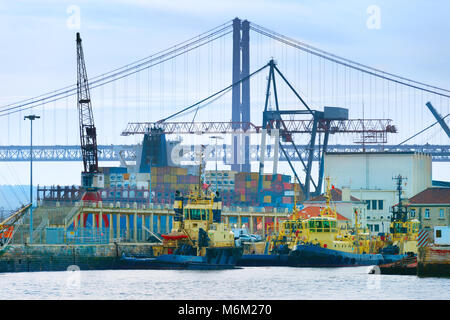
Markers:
<point>241,95</point>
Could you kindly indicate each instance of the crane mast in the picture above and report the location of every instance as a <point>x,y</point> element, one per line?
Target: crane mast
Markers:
<point>88,134</point>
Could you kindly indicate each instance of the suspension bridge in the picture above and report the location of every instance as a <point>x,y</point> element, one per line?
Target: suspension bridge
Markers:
<point>218,77</point>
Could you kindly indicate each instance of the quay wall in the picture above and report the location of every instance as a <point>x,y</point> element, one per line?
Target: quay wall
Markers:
<point>25,258</point>
<point>433,261</point>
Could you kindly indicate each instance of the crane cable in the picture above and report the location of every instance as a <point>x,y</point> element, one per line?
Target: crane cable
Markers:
<point>423,130</point>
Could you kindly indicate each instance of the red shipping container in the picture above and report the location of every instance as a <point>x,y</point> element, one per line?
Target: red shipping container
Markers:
<point>286,200</point>
<point>287,186</point>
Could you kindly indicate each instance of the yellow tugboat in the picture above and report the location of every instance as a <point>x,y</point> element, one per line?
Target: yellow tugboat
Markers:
<point>328,246</point>
<point>317,242</point>
<point>198,239</point>
<point>402,239</point>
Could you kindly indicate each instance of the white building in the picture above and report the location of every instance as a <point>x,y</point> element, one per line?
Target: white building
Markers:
<point>370,177</point>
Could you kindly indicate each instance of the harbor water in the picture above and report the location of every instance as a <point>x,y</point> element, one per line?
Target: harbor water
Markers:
<point>262,283</point>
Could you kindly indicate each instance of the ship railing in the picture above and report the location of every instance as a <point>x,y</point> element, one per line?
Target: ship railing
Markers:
<point>124,205</point>
<point>87,235</point>
<point>73,212</point>
<point>37,233</point>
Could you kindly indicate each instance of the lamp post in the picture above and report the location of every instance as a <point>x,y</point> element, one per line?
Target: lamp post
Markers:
<point>31,118</point>
<point>215,151</point>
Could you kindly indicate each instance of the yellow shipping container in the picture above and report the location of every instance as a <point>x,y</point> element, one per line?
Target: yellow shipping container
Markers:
<point>126,176</point>
<point>267,199</point>
<point>266,184</point>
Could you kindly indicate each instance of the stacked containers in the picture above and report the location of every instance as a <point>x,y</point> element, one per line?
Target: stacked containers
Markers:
<point>166,180</point>
<point>277,190</point>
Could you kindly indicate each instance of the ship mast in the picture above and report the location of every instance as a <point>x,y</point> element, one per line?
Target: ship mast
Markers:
<point>200,169</point>
<point>399,213</point>
<point>328,211</point>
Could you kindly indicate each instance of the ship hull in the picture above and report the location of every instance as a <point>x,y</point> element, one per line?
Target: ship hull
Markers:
<point>391,258</point>
<point>264,260</point>
<point>215,259</point>
<point>315,256</point>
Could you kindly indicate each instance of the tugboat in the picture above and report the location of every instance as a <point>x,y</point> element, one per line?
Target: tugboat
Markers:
<point>327,246</point>
<point>278,246</point>
<point>400,250</point>
<point>316,242</point>
<point>402,240</point>
<point>198,239</point>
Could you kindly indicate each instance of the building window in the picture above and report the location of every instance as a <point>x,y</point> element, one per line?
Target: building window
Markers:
<point>380,204</point>
<point>368,204</point>
<point>377,227</point>
<point>374,204</point>
<point>441,214</point>
<point>427,213</point>
<point>412,213</point>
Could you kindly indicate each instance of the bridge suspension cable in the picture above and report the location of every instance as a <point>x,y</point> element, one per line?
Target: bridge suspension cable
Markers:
<point>349,63</point>
<point>124,71</point>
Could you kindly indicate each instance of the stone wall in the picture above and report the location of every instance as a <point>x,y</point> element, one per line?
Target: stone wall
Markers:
<point>23,258</point>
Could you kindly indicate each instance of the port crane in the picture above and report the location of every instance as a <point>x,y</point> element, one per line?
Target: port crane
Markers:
<point>330,121</point>
<point>88,134</point>
<point>91,178</point>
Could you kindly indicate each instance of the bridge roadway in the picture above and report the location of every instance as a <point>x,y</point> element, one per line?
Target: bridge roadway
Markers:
<point>147,213</point>
<point>439,153</point>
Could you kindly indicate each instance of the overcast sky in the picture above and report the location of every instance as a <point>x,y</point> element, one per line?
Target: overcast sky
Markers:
<point>409,38</point>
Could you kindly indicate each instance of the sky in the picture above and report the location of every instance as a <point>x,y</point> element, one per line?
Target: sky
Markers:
<point>408,38</point>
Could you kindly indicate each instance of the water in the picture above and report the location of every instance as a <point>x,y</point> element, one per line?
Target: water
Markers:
<point>260,283</point>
